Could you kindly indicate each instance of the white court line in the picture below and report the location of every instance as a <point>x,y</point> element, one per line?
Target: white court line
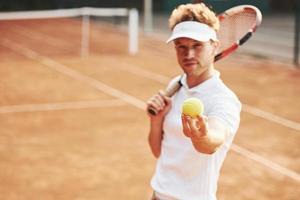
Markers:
<point>61,106</point>
<point>144,73</point>
<point>131,100</point>
<point>73,74</point>
<point>246,108</point>
<point>266,162</point>
<point>271,117</point>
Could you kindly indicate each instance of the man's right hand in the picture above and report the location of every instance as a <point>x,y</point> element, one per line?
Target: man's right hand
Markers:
<point>161,103</point>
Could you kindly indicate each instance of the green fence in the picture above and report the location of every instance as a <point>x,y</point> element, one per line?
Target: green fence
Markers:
<point>219,5</point>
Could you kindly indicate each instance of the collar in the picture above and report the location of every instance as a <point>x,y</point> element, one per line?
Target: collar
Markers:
<point>204,85</point>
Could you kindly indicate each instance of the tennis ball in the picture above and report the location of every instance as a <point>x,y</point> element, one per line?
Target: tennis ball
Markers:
<point>192,107</point>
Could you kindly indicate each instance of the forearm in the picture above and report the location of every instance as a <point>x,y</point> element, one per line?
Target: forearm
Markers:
<point>213,139</point>
<point>209,143</point>
<point>155,136</point>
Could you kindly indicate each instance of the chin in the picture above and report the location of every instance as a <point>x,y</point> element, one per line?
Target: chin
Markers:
<point>189,72</point>
<point>190,67</point>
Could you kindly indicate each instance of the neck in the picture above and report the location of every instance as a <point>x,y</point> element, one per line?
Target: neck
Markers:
<point>196,79</point>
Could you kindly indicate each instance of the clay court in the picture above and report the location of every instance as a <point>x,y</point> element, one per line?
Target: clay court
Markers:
<point>75,128</point>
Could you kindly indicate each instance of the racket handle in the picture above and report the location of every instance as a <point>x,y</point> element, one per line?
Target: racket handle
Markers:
<point>168,93</point>
<point>152,111</point>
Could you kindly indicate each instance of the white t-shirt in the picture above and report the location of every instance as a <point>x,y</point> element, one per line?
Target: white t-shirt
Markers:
<point>182,172</point>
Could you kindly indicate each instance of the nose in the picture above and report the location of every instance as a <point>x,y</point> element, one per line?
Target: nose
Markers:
<point>190,53</point>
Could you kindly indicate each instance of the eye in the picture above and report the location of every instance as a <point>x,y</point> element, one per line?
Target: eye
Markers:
<point>181,47</point>
<point>198,46</point>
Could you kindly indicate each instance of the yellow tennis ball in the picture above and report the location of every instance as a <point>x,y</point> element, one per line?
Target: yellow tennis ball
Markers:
<point>192,107</point>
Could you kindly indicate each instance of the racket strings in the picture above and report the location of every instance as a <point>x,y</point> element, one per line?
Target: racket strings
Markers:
<point>234,27</point>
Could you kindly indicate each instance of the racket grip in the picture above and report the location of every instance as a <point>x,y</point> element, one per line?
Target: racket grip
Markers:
<point>168,93</point>
<point>152,111</point>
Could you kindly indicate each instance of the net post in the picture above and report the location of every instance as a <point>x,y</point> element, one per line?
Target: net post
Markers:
<point>297,30</point>
<point>85,33</point>
<point>148,18</point>
<point>133,29</point>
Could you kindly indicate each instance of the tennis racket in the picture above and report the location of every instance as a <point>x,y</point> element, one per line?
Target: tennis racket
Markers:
<point>237,25</point>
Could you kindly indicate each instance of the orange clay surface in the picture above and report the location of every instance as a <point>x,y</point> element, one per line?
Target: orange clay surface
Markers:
<point>53,148</point>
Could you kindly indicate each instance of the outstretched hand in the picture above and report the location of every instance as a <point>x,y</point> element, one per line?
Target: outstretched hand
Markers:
<point>194,128</point>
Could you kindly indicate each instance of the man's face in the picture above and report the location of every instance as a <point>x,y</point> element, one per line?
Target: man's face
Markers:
<point>193,56</point>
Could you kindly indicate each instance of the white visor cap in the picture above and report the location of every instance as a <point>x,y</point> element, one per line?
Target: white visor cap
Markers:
<point>193,30</point>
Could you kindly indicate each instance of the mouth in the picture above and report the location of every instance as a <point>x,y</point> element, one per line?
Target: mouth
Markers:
<point>190,64</point>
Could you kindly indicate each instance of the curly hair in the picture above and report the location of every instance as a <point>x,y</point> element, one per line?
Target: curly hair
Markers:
<point>194,12</point>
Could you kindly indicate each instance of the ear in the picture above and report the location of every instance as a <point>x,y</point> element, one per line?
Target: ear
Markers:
<point>216,45</point>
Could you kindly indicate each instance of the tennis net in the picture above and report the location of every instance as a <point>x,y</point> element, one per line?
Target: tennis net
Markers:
<point>68,31</point>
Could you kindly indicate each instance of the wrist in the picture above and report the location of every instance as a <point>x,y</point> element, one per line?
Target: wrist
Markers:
<point>156,120</point>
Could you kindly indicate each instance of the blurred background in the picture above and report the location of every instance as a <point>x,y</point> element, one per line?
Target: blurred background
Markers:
<point>72,99</point>
<point>164,6</point>
<point>278,37</point>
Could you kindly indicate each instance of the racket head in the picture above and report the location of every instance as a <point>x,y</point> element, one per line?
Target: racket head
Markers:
<point>237,25</point>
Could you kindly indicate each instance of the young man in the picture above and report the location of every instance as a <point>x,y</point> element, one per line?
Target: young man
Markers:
<point>190,151</point>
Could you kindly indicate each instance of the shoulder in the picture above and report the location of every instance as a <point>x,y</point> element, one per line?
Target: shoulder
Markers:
<point>220,92</point>
<point>224,104</point>
<point>225,98</point>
